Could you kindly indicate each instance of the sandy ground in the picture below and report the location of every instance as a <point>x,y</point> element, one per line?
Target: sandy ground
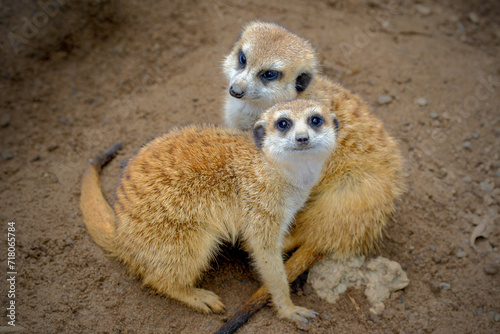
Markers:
<point>77,78</point>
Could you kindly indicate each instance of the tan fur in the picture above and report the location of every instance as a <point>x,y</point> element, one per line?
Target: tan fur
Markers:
<point>194,188</point>
<point>349,208</point>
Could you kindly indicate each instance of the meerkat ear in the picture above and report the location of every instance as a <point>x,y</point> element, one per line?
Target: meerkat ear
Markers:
<point>303,81</point>
<point>335,121</point>
<point>259,130</point>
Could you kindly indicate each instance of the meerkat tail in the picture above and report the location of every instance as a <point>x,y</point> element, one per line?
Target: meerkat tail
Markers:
<point>301,260</point>
<point>98,216</point>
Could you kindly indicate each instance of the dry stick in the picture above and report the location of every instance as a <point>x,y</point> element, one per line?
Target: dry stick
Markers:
<point>299,262</point>
<point>358,309</point>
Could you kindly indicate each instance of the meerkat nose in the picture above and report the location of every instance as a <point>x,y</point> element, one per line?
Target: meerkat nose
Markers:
<point>302,140</point>
<point>235,93</point>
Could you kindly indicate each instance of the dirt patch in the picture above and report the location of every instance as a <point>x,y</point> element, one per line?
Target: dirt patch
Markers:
<point>96,72</point>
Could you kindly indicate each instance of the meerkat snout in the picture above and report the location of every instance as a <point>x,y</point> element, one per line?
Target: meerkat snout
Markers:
<point>236,91</point>
<point>302,140</point>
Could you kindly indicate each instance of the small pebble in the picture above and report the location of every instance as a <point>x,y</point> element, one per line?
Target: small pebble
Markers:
<point>444,286</point>
<point>466,145</point>
<point>384,99</point>
<point>437,258</point>
<point>488,200</point>
<point>64,120</point>
<point>5,75</point>
<point>5,120</point>
<point>373,317</point>
<point>491,268</point>
<point>69,241</point>
<point>475,135</point>
<point>498,173</point>
<point>466,179</point>
<point>423,10</point>
<point>307,289</point>
<point>486,186</point>
<point>52,147</point>
<point>461,253</point>
<point>434,115</point>
<point>497,317</point>
<point>421,101</point>
<point>325,315</point>
<point>7,155</point>
<point>473,18</point>
<point>303,326</point>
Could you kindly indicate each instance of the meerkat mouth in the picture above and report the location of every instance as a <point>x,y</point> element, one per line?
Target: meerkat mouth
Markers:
<point>303,149</point>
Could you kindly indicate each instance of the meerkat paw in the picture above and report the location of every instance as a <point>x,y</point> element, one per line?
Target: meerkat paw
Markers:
<point>298,314</point>
<point>202,300</point>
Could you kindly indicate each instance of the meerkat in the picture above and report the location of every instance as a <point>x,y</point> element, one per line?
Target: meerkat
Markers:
<point>350,206</point>
<point>194,188</point>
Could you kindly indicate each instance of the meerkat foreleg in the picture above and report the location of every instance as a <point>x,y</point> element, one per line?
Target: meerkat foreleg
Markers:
<point>267,255</point>
<point>302,259</point>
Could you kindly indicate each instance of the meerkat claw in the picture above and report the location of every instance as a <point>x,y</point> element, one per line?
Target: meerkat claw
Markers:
<point>209,302</point>
<point>300,314</point>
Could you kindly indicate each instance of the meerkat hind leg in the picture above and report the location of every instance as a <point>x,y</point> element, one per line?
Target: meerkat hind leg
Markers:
<point>187,262</point>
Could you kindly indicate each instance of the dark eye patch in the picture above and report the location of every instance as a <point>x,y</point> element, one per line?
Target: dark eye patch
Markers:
<point>302,82</point>
<point>258,135</point>
<point>283,124</point>
<point>316,121</point>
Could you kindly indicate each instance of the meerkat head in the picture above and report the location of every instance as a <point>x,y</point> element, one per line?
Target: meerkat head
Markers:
<point>269,64</point>
<point>295,131</point>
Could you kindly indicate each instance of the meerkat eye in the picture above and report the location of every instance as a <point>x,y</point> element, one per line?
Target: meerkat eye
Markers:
<point>269,75</point>
<point>283,124</point>
<point>242,59</point>
<point>316,121</point>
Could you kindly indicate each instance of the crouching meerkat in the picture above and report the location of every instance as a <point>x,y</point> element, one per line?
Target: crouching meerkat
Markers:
<point>349,207</point>
<point>191,189</point>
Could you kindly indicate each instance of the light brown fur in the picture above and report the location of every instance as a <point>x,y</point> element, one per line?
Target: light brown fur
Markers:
<point>349,208</point>
<point>194,188</point>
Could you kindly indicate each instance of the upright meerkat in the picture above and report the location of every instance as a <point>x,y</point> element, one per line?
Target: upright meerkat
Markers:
<point>349,208</point>
<point>192,189</point>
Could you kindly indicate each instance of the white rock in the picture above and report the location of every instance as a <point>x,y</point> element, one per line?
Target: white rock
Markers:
<point>331,277</point>
<point>421,101</point>
<point>384,277</point>
<point>384,99</point>
<point>424,11</point>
